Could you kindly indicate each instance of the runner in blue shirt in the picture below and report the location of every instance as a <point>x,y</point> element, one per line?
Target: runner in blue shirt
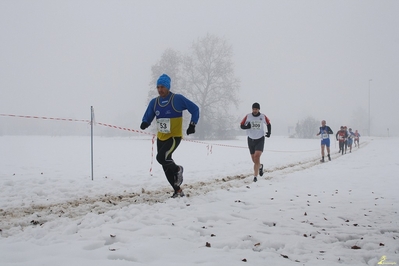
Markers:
<point>168,109</point>
<point>324,133</point>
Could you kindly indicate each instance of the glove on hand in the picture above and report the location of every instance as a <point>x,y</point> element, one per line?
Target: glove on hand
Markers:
<point>267,135</point>
<point>144,125</point>
<point>191,129</point>
<point>246,126</point>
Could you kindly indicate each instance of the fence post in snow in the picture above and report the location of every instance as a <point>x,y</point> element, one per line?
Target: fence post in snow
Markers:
<point>91,125</point>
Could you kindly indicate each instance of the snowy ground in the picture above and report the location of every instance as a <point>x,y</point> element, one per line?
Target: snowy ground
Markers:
<point>301,212</point>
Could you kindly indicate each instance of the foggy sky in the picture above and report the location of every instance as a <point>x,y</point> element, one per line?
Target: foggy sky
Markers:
<point>296,58</point>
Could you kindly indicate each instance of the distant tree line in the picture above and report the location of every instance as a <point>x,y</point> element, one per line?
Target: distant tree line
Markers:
<point>307,128</point>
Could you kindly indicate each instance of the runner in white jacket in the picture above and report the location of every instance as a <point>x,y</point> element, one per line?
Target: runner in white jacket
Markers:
<point>254,123</point>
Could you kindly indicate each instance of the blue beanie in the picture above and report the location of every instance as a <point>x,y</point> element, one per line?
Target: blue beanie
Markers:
<point>164,80</point>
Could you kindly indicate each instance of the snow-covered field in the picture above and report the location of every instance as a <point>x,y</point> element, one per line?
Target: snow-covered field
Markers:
<point>301,212</point>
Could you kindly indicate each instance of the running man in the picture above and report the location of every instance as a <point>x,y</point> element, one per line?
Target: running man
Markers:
<point>168,109</point>
<point>324,132</point>
<point>357,136</point>
<point>351,135</point>
<point>341,136</point>
<point>254,124</point>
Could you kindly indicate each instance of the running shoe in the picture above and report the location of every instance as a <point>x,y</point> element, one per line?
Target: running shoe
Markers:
<point>261,170</point>
<point>178,194</point>
<point>179,176</point>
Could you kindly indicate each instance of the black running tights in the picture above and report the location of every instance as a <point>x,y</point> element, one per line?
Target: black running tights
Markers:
<point>164,157</point>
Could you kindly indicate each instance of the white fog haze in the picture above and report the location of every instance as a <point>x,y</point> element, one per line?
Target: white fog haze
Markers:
<point>74,193</point>
<point>296,58</point>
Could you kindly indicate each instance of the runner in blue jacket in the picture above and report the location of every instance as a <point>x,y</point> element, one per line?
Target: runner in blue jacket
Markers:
<point>168,109</point>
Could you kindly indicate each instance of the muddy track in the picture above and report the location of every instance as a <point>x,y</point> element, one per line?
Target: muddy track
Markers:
<point>40,214</point>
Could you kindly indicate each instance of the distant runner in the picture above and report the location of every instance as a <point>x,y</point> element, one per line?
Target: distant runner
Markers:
<point>351,136</point>
<point>324,132</point>
<point>357,136</point>
<point>346,139</point>
<point>341,136</point>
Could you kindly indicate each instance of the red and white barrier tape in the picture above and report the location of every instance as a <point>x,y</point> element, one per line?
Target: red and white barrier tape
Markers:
<point>49,118</point>
<point>209,145</point>
<point>152,153</point>
<point>124,128</point>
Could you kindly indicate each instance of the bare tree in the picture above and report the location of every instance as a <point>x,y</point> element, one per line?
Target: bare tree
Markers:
<point>209,81</point>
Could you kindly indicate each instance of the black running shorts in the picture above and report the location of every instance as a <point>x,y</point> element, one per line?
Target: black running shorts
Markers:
<point>256,144</point>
